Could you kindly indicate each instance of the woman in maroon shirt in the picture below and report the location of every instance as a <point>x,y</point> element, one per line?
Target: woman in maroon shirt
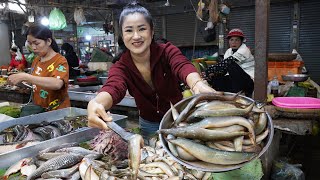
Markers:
<point>149,71</point>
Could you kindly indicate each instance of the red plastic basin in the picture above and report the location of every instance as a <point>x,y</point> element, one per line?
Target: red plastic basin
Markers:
<point>297,102</point>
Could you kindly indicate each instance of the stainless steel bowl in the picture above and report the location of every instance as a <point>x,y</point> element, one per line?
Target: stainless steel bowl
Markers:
<point>167,121</point>
<point>295,77</point>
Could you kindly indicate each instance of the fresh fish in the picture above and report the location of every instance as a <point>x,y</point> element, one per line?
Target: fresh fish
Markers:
<point>260,137</point>
<point>163,166</point>
<point>50,155</point>
<point>217,122</point>
<point>261,124</point>
<point>18,131</point>
<point>64,126</point>
<point>210,155</point>
<point>238,143</point>
<point>56,163</point>
<point>16,167</point>
<point>61,173</point>
<point>15,145</point>
<point>198,98</point>
<point>220,112</point>
<point>55,131</point>
<point>142,174</point>
<point>8,137</point>
<point>185,155</point>
<point>189,176</point>
<point>207,176</point>
<point>197,174</point>
<point>75,176</point>
<point>32,136</point>
<point>24,134</point>
<point>215,105</point>
<point>232,128</point>
<point>90,174</point>
<point>201,133</point>
<point>174,112</point>
<point>27,170</point>
<point>221,147</point>
<point>76,150</point>
<point>153,170</point>
<point>253,148</point>
<point>54,148</point>
<point>45,133</point>
<point>84,165</point>
<point>134,147</point>
<point>171,146</point>
<point>174,178</point>
<point>225,143</point>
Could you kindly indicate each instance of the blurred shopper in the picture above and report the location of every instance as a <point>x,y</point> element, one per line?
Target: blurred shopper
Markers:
<point>72,58</point>
<point>17,63</point>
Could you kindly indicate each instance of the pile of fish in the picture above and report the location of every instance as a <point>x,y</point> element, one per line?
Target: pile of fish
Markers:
<point>23,135</point>
<point>69,161</point>
<point>216,130</point>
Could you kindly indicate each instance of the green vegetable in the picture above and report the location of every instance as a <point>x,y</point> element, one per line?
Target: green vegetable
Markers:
<point>10,111</point>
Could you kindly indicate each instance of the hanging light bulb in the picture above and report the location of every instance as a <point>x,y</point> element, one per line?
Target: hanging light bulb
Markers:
<point>88,37</point>
<point>45,21</point>
<point>31,18</point>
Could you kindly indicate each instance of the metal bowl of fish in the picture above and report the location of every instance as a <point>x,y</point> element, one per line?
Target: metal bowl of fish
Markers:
<point>216,133</point>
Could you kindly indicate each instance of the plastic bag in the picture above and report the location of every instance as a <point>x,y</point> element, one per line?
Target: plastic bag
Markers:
<point>79,17</point>
<point>57,20</point>
<point>285,171</point>
<point>30,57</point>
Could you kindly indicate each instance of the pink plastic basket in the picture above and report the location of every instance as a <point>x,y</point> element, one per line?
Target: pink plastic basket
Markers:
<point>297,102</point>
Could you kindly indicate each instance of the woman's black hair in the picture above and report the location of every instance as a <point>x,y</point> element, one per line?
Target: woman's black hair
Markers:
<point>132,8</point>
<point>42,32</point>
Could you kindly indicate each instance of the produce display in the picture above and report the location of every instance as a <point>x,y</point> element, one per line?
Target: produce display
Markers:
<point>215,132</point>
<point>119,160</point>
<point>12,111</point>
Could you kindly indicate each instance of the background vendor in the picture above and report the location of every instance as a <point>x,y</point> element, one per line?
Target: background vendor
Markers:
<point>50,71</point>
<point>18,63</point>
<point>235,72</point>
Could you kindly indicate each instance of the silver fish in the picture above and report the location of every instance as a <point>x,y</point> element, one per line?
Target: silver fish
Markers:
<point>56,163</point>
<point>211,155</point>
<point>61,173</point>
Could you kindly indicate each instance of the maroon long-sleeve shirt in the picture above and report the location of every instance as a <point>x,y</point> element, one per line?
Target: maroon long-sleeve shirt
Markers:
<point>168,67</point>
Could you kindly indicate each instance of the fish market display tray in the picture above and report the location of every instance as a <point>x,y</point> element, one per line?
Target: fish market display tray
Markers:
<point>167,121</point>
<point>81,135</point>
<point>85,94</point>
<point>52,116</point>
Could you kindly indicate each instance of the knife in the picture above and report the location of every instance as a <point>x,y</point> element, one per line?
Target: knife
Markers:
<point>119,130</point>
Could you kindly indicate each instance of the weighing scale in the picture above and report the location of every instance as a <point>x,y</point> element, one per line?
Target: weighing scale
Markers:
<point>296,90</point>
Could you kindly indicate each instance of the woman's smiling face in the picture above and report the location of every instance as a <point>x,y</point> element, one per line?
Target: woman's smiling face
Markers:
<point>137,33</point>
